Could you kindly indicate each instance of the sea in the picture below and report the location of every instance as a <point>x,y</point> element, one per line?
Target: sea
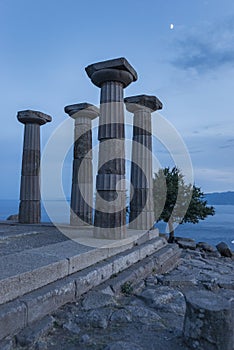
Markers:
<point>213,229</point>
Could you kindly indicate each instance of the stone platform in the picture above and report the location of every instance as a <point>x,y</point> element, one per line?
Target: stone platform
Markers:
<point>42,269</point>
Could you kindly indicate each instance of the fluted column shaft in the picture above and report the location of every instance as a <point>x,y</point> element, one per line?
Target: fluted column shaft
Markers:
<point>82,176</point>
<point>141,204</point>
<point>110,210</point>
<point>30,206</point>
<point>110,213</point>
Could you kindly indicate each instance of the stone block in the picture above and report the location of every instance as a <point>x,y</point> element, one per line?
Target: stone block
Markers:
<point>82,261</point>
<point>89,278</point>
<point>13,317</point>
<point>116,63</point>
<point>28,271</point>
<point>33,117</point>
<point>30,334</point>
<point>135,103</point>
<point>49,298</point>
<point>151,247</point>
<point>82,112</point>
<point>124,260</point>
<point>208,322</point>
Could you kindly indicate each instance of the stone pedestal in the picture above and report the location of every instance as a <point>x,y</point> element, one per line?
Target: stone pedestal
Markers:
<point>209,322</point>
<point>30,206</point>
<point>141,195</point>
<point>82,176</point>
<point>110,212</point>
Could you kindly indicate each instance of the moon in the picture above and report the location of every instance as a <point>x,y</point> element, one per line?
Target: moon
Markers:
<point>171,26</point>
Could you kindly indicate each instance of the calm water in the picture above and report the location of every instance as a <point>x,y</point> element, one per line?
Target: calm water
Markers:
<point>214,229</point>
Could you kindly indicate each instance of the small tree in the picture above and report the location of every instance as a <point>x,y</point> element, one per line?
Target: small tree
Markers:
<point>178,202</point>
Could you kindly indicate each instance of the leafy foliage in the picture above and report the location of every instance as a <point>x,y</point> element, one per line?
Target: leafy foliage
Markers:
<point>178,202</point>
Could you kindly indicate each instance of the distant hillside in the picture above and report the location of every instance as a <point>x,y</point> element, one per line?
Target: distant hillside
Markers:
<point>222,198</point>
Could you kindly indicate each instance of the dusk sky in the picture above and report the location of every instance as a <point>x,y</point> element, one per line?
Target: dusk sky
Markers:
<point>182,50</point>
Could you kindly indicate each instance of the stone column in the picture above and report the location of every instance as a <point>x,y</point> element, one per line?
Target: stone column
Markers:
<point>110,212</point>
<point>82,176</point>
<point>141,194</point>
<point>30,198</point>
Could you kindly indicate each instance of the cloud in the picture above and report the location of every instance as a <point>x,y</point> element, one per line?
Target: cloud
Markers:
<point>207,48</point>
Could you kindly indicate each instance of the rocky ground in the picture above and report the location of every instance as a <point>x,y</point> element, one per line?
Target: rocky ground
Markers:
<point>146,316</point>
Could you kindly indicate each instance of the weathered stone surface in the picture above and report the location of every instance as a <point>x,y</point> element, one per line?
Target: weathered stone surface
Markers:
<point>13,217</point>
<point>206,247</point>
<point>96,318</point>
<point>13,317</point>
<point>71,327</point>
<point>112,76</point>
<point>29,271</point>
<point>186,244</point>
<point>95,300</point>
<point>49,298</point>
<point>122,345</point>
<point>39,329</point>
<point>29,210</point>
<point>178,279</point>
<point>107,182</point>
<point>7,344</point>
<point>121,316</point>
<point>143,314</point>
<point>224,250</point>
<point>111,70</point>
<point>141,167</point>
<point>80,110</point>
<point>82,176</point>
<point>33,117</point>
<point>158,298</point>
<point>161,327</point>
<point>208,323</point>
<point>134,103</point>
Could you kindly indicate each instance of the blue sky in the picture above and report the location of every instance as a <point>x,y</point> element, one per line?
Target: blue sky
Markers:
<point>45,46</point>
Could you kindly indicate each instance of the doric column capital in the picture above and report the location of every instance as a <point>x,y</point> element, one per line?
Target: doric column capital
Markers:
<point>82,109</point>
<point>118,70</point>
<point>142,102</point>
<point>33,117</point>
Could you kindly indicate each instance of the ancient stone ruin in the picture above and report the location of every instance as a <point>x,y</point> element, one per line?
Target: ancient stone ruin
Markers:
<point>109,220</point>
<point>30,206</point>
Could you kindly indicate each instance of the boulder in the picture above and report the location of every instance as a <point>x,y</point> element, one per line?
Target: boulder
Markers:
<point>206,247</point>
<point>224,250</point>
<point>13,217</point>
<point>186,244</point>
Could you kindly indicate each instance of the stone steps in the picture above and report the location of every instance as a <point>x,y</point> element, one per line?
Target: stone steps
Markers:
<point>30,269</point>
<point>33,305</point>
